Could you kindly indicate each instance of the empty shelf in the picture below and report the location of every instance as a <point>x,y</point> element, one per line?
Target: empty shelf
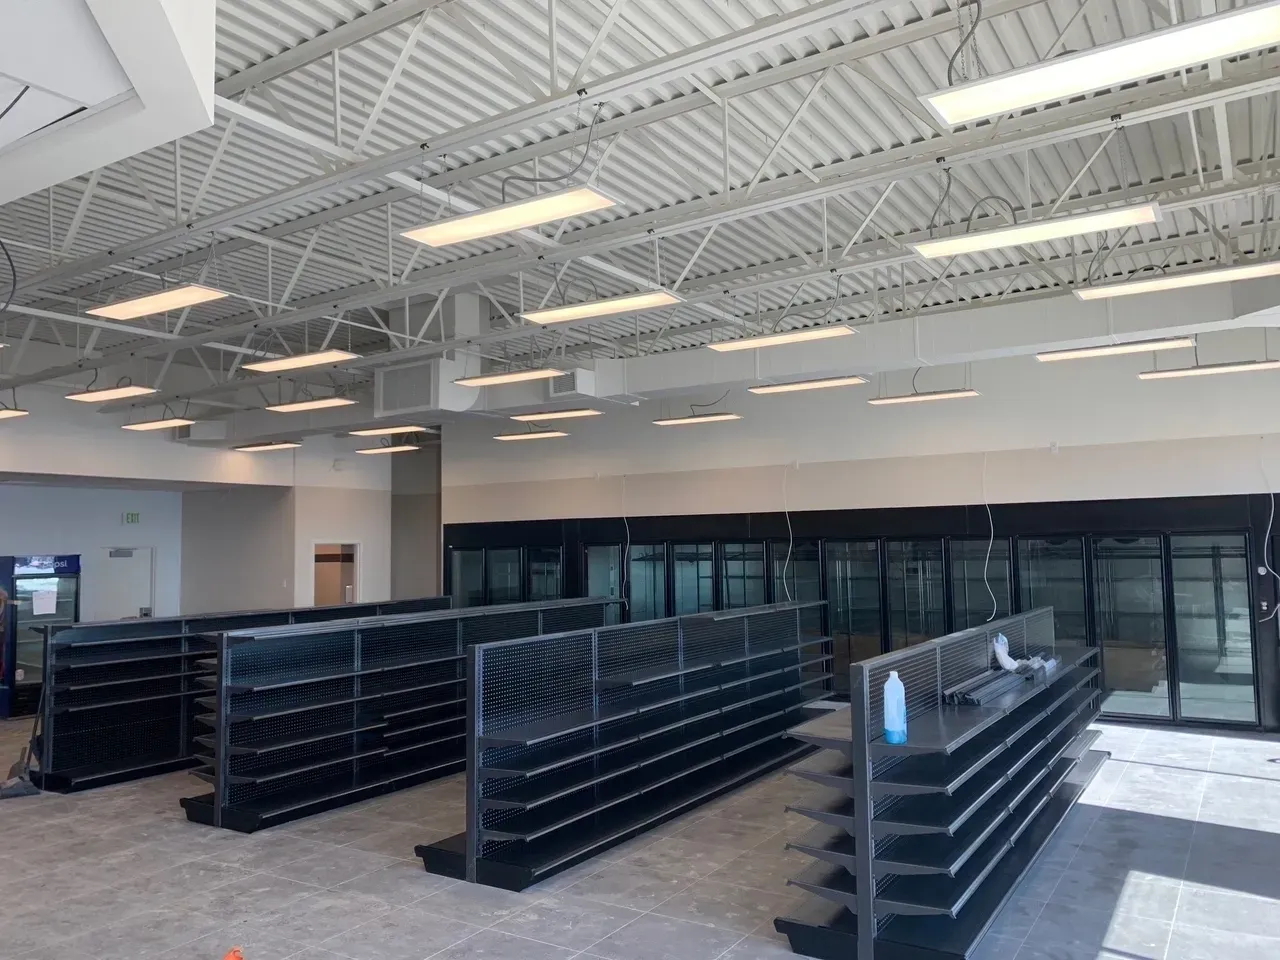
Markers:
<point>78,708</point>
<point>829,844</point>
<point>306,678</point>
<point>833,731</point>
<point>835,808</point>
<point>829,882</point>
<point>278,771</point>
<point>268,744</point>
<point>828,768</point>
<point>112,657</point>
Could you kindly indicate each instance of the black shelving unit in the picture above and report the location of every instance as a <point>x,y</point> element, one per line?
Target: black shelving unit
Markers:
<point>295,720</point>
<point>579,741</point>
<point>918,845</point>
<point>119,697</point>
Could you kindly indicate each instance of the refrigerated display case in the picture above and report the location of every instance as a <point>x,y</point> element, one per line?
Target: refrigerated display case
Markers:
<point>44,595</point>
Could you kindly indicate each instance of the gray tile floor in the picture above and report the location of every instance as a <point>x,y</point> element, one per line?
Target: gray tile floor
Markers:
<point>1172,855</point>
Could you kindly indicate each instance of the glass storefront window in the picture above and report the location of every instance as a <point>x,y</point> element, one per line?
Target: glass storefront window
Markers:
<point>1213,629</point>
<point>980,584</point>
<point>466,570</point>
<point>1129,605</point>
<point>916,595</point>
<point>544,573</point>
<point>742,575</point>
<point>647,582</point>
<point>504,575</point>
<point>1051,574</point>
<point>853,604</point>
<point>694,577</point>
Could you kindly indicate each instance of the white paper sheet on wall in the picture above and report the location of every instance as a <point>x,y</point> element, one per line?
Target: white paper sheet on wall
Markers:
<point>44,603</point>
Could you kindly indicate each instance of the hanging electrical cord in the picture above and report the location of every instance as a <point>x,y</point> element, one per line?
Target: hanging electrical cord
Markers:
<point>520,178</point>
<point>991,541</point>
<point>14,102</point>
<point>1266,540</point>
<point>825,315</point>
<point>791,538</point>
<point>623,578</point>
<point>964,41</point>
<point>942,198</point>
<point>13,278</point>
<point>698,406</point>
<point>563,291</point>
<point>989,198</point>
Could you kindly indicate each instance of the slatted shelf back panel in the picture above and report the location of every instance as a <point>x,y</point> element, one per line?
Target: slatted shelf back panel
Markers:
<point>581,739</point>
<point>304,718</point>
<point>919,844</point>
<point>123,700</point>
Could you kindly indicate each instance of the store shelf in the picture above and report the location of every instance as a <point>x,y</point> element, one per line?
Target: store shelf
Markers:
<point>272,744</point>
<point>829,844</point>
<point>830,882</point>
<point>831,731</point>
<point>826,768</point>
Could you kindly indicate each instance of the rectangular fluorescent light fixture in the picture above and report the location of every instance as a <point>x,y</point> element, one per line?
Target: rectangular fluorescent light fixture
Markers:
<point>574,414</point>
<point>511,376</point>
<point>532,435</point>
<point>780,339</point>
<point>265,447</point>
<point>697,418</point>
<point>165,424</point>
<point>799,385</point>
<point>401,448</point>
<point>1209,370</point>
<point>1110,65</point>
<point>1202,278</point>
<point>300,360</point>
<point>517,215</point>
<point>630,303</point>
<point>1116,349</point>
<point>922,397</point>
<point>1038,231</point>
<point>9,413</point>
<point>322,403</point>
<point>175,298</point>
<point>387,431</point>
<point>110,393</point>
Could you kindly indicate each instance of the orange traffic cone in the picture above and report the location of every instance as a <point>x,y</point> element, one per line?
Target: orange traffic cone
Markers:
<point>234,954</point>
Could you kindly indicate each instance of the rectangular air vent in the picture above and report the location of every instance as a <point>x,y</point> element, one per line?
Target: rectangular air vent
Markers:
<point>421,386</point>
<point>575,383</point>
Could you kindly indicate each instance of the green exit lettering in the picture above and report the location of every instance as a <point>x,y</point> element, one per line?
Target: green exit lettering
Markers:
<point>132,518</point>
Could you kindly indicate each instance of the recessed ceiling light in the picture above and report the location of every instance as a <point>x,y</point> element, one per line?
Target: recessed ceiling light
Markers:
<point>1111,65</point>
<point>1210,369</point>
<point>387,431</point>
<point>517,215</point>
<point>321,403</point>
<point>799,385</point>
<point>1038,231</point>
<point>781,339</point>
<point>300,360</point>
<point>176,298</point>
<point>511,376</point>
<point>1180,281</point>
<point>12,413</point>
<point>1116,349</point>
<point>110,393</point>
<point>401,448</point>
<point>631,303</point>
<point>532,435</point>
<point>265,447</point>
<point>697,418</point>
<point>145,425</point>
<point>557,415</point>
<point>923,397</point>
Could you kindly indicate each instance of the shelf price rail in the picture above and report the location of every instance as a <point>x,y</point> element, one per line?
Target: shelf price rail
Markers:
<point>119,695</point>
<point>578,741</point>
<point>295,720</point>
<point>917,846</point>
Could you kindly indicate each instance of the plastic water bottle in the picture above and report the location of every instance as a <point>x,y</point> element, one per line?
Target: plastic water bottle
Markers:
<point>895,710</point>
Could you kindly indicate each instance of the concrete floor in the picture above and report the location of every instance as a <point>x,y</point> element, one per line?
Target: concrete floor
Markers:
<point>1171,856</point>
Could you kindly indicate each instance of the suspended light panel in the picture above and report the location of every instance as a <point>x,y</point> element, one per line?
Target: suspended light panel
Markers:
<point>697,418</point>
<point>517,215</point>
<point>1117,349</point>
<point>532,435</point>
<point>575,414</point>
<point>176,298</point>
<point>301,406</point>
<point>511,376</point>
<point>923,397</point>
<point>11,413</point>
<point>166,424</point>
<point>387,431</point>
<point>1110,65</point>
<point>1181,281</point>
<point>111,393</point>
<point>800,385</point>
<point>267,447</point>
<point>400,448</point>
<point>1038,231</point>
<point>300,361</point>
<point>781,339</point>
<point>1210,369</point>
<point>630,303</point>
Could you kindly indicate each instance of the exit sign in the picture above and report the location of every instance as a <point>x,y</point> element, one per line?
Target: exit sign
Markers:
<point>130,518</point>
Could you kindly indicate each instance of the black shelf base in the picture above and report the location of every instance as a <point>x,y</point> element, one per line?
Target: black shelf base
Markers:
<point>103,775</point>
<point>829,932</point>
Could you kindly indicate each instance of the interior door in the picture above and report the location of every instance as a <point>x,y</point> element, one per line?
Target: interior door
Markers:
<point>118,583</point>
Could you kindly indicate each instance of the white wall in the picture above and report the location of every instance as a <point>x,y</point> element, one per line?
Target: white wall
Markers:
<point>67,520</point>
<point>415,524</point>
<point>335,515</point>
<point>1115,437</point>
<point>237,549</point>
